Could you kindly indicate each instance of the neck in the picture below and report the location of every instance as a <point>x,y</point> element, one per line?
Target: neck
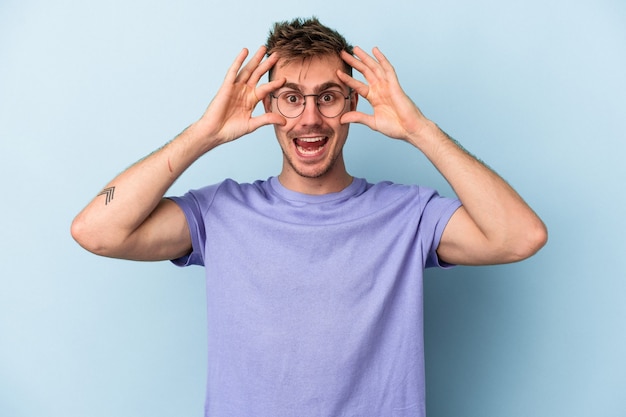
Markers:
<point>330,182</point>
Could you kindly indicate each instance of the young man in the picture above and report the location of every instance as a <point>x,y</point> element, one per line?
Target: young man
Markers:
<point>314,278</point>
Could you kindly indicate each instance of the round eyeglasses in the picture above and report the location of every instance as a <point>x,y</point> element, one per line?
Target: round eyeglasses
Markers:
<point>330,103</point>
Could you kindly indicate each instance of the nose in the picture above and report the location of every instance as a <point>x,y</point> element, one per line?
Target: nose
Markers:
<point>311,115</point>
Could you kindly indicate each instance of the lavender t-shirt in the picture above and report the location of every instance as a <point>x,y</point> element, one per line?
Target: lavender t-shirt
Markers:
<point>315,302</point>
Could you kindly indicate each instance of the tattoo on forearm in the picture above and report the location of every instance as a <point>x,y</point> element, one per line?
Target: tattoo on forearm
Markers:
<point>109,194</point>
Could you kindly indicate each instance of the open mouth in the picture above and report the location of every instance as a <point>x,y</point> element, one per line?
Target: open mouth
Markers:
<point>310,146</point>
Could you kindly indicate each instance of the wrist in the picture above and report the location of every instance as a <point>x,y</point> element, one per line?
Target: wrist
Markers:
<point>428,135</point>
<point>198,140</point>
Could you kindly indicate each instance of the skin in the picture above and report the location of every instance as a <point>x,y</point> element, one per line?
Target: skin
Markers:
<point>131,219</point>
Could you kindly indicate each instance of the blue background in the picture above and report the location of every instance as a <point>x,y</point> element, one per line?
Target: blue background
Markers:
<point>535,88</point>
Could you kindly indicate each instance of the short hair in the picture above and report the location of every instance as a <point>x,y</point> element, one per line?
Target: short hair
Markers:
<point>305,38</point>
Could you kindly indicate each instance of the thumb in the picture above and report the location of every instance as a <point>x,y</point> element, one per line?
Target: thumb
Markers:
<point>266,119</point>
<point>357,117</point>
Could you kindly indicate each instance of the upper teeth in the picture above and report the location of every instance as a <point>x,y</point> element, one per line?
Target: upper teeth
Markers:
<point>311,139</point>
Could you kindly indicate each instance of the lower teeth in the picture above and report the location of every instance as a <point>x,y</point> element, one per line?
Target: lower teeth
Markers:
<point>308,151</point>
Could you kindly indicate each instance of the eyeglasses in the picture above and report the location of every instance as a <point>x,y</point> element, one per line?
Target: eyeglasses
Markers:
<point>330,103</point>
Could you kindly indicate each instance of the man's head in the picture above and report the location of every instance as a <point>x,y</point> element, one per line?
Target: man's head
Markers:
<point>314,99</point>
<point>301,39</point>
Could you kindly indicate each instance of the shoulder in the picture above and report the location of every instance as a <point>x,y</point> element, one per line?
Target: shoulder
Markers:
<point>390,191</point>
<point>413,200</point>
<point>228,187</point>
<point>226,192</point>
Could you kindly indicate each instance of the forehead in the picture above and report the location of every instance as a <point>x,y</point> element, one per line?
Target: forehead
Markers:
<point>309,72</point>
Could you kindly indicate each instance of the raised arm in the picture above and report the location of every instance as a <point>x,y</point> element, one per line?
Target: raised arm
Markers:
<point>129,218</point>
<point>494,225</point>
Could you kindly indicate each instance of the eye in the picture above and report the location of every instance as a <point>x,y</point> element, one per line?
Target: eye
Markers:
<point>292,98</point>
<point>328,97</point>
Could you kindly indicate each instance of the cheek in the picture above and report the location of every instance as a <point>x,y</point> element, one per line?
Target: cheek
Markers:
<point>342,132</point>
<point>343,129</point>
<point>282,132</point>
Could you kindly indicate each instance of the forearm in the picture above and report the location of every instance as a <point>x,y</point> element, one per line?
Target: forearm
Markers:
<point>128,200</point>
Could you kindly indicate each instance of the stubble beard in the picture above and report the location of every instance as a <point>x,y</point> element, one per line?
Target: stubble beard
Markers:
<point>320,172</point>
<point>328,164</point>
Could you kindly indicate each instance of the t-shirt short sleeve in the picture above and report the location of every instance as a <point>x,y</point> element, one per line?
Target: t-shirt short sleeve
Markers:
<point>437,213</point>
<point>195,204</point>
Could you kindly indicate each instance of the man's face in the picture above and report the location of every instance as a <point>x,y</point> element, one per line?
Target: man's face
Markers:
<point>312,143</point>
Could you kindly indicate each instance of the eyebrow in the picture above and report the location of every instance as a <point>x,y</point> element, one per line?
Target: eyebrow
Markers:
<point>317,89</point>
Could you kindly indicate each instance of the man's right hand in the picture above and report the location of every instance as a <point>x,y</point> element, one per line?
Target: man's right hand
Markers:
<point>229,116</point>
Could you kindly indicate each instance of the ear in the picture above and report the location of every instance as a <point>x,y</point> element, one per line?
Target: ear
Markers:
<point>267,104</point>
<point>354,100</point>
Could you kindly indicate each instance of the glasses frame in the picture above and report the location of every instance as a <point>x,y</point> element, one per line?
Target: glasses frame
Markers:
<point>317,104</point>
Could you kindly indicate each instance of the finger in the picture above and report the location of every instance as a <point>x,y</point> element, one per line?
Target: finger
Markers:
<point>370,63</point>
<point>358,117</point>
<point>365,64</point>
<point>365,61</point>
<point>354,62</point>
<point>231,75</point>
<point>361,88</point>
<point>263,90</point>
<point>262,69</point>
<point>383,61</point>
<point>250,67</point>
<point>266,119</point>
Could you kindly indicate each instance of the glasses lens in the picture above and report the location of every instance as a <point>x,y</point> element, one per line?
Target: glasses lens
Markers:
<point>290,103</point>
<point>331,103</point>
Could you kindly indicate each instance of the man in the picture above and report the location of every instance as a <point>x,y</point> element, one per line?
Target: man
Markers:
<point>314,278</point>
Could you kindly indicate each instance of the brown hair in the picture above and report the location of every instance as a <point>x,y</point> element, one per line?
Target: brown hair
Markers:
<point>305,38</point>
